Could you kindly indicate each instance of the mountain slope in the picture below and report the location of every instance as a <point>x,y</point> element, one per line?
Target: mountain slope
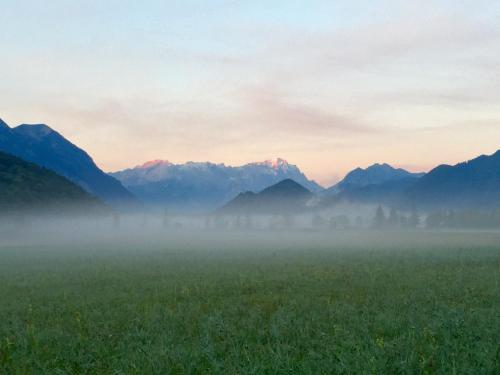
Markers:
<point>284,197</point>
<point>390,193</point>
<point>47,148</point>
<point>373,175</point>
<point>26,186</point>
<point>471,184</point>
<point>204,186</point>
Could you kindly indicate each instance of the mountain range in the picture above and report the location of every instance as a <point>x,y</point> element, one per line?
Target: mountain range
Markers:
<point>26,186</point>
<point>205,186</point>
<point>47,148</point>
<point>199,186</point>
<point>474,184</point>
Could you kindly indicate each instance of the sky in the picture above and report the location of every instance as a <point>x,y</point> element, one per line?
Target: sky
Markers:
<point>327,85</point>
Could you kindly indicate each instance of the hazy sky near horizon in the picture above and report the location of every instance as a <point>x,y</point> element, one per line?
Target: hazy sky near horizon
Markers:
<point>327,85</point>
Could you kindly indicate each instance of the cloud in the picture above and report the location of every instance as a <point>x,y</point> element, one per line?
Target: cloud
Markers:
<point>282,114</point>
<point>428,42</point>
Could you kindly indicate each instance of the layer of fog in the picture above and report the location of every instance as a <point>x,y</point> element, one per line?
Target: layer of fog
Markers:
<point>141,228</point>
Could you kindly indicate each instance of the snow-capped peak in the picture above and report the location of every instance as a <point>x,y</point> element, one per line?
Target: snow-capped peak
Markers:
<point>275,164</point>
<point>153,163</point>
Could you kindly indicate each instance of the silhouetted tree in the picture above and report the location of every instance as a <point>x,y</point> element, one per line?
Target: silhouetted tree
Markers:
<point>220,222</point>
<point>358,222</point>
<point>436,220</point>
<point>414,219</point>
<point>166,220</point>
<point>393,221</point>
<point>343,222</point>
<point>379,220</point>
<point>271,223</point>
<point>451,219</point>
<point>332,223</point>
<point>318,221</point>
<point>208,222</point>
<point>288,221</point>
<point>403,221</point>
<point>116,220</point>
<point>238,224</point>
<point>144,222</point>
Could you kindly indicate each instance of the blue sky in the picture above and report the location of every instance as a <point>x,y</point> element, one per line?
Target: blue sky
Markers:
<point>328,85</point>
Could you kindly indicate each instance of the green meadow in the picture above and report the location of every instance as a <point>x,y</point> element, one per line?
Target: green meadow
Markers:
<point>283,303</point>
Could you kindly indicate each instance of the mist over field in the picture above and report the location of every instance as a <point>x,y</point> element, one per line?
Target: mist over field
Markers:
<point>135,295</point>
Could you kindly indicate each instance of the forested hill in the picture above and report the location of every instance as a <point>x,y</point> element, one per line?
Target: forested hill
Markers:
<point>284,197</point>
<point>26,186</point>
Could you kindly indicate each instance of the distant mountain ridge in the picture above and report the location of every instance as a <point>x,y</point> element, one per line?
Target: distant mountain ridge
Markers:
<point>286,196</point>
<point>45,147</point>
<point>474,184</point>
<point>373,175</point>
<point>24,186</point>
<point>205,185</point>
<point>471,184</point>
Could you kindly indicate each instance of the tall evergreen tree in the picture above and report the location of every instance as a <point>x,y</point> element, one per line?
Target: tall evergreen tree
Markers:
<point>379,221</point>
<point>393,220</point>
<point>414,219</point>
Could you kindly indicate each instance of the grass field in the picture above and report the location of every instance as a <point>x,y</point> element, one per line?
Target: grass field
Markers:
<point>417,303</point>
